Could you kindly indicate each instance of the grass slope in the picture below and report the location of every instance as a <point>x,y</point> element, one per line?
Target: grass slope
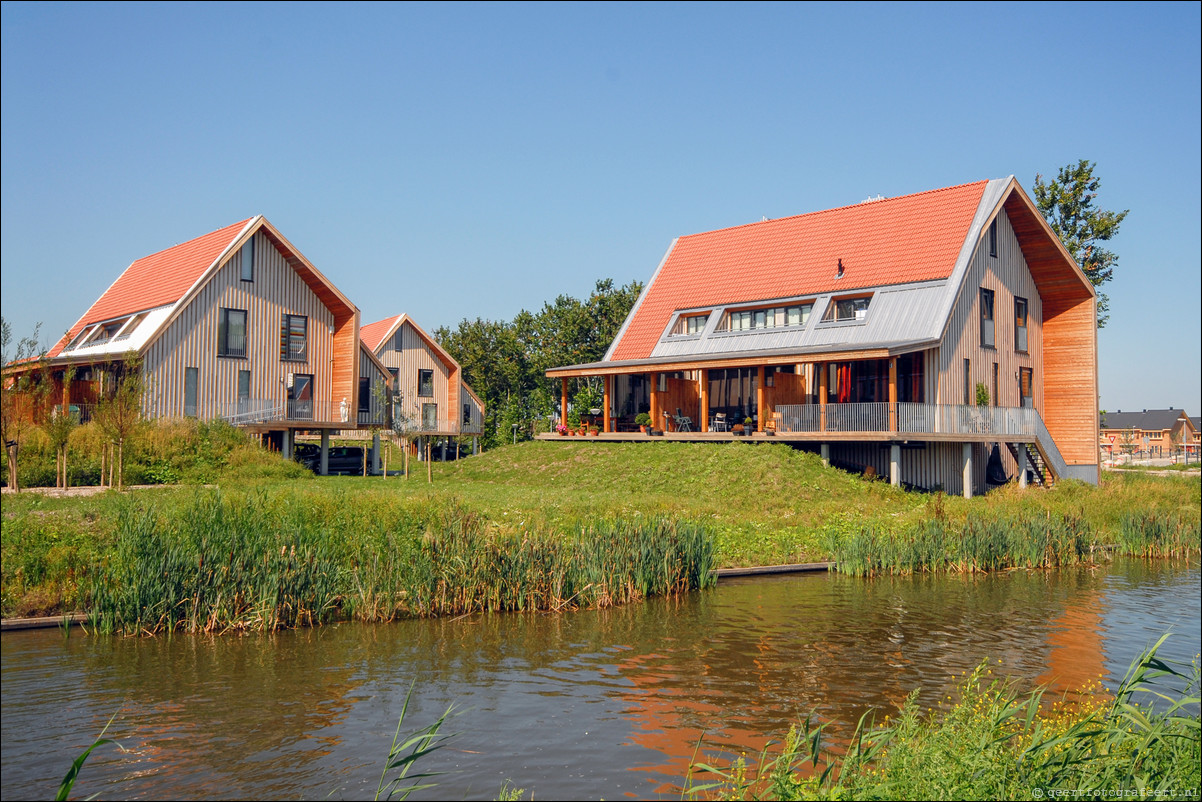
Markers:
<point>766,503</point>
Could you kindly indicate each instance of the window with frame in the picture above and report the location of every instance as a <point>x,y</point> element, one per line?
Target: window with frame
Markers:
<point>231,332</point>
<point>987,327</point>
<point>467,414</point>
<point>364,394</point>
<point>294,336</point>
<point>243,386</point>
<point>191,390</point>
<point>1020,324</point>
<point>425,383</point>
<point>993,237</point>
<point>248,260</point>
<point>430,417</point>
<point>771,318</point>
<point>690,324</point>
<point>1026,389</point>
<point>845,309</point>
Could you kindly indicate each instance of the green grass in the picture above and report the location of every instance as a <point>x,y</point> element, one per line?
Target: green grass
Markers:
<point>265,561</point>
<point>992,742</point>
<point>763,504</point>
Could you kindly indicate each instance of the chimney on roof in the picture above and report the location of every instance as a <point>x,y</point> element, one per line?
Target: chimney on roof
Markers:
<point>840,274</point>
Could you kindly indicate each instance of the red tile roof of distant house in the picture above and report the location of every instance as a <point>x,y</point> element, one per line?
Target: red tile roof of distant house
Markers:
<point>373,334</point>
<point>156,280</point>
<point>891,241</point>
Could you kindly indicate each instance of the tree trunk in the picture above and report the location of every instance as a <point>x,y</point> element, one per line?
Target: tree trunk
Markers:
<point>120,465</point>
<point>66,481</point>
<point>12,468</point>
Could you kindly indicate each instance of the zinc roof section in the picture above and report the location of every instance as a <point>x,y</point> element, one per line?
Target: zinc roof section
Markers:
<point>156,280</point>
<point>899,240</point>
<point>373,334</point>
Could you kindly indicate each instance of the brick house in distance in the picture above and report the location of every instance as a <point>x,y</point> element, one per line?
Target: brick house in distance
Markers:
<point>1155,432</point>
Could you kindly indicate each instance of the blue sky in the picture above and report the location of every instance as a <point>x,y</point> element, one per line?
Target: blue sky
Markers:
<point>456,161</point>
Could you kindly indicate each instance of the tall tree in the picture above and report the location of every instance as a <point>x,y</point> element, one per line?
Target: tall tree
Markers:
<point>22,394</point>
<point>1067,203</point>
<point>120,416</point>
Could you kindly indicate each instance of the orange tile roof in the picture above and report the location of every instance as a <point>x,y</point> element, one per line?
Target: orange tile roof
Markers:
<point>156,280</point>
<point>374,333</point>
<point>894,241</point>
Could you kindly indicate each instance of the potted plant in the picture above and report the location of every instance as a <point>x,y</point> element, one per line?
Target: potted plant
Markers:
<point>737,429</point>
<point>748,425</point>
<point>643,420</point>
<point>593,431</point>
<point>562,430</point>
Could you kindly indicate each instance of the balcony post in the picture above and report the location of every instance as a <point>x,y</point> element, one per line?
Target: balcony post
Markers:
<point>759,398</point>
<point>655,421</point>
<point>605,404</point>
<point>704,389</point>
<point>563,400</point>
<point>822,393</point>
<point>893,394</point>
<point>966,452</point>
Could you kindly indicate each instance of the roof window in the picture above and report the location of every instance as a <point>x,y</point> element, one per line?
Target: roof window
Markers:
<point>690,324</point>
<point>846,309</point>
<point>772,318</point>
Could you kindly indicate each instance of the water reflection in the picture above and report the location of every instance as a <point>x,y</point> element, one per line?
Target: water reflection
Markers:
<point>590,704</point>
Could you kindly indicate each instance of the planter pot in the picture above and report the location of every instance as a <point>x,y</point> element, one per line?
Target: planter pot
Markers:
<point>643,429</point>
<point>593,434</point>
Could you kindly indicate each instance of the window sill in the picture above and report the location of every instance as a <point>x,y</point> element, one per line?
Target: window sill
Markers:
<point>233,356</point>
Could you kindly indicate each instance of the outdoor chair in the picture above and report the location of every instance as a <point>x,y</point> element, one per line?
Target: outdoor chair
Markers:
<point>718,422</point>
<point>684,423</point>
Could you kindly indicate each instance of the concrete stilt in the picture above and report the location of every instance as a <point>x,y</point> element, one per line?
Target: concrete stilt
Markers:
<point>1022,464</point>
<point>475,446</point>
<point>325,452</point>
<point>895,465</point>
<point>443,455</point>
<point>825,451</point>
<point>967,452</point>
<point>375,452</point>
<point>286,446</point>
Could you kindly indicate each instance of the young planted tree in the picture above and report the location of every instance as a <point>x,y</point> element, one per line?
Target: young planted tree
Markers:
<point>21,394</point>
<point>120,416</point>
<point>1067,203</point>
<point>58,428</point>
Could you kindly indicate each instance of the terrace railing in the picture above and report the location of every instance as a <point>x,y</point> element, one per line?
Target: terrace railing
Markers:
<point>911,418</point>
<point>251,410</point>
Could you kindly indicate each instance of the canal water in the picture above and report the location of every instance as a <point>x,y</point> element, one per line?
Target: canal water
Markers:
<point>590,704</point>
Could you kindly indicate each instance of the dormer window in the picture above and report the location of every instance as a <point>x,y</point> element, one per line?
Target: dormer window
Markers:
<point>690,324</point>
<point>772,318</point>
<point>846,309</point>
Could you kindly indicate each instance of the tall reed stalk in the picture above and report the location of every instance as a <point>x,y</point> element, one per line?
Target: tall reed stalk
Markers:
<point>261,563</point>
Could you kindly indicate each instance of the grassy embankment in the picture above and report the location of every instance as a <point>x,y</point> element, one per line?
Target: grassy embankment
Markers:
<point>759,504</point>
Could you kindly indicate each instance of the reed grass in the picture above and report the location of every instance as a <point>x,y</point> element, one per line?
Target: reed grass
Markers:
<point>993,742</point>
<point>975,544</point>
<point>263,562</point>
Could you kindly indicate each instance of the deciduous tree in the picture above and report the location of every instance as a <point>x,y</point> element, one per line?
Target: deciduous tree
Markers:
<point>1067,203</point>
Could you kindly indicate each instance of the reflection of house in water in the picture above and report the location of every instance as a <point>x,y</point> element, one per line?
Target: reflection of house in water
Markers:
<point>1074,646</point>
<point>778,650</point>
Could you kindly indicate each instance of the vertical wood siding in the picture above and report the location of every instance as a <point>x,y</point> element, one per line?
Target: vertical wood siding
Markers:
<point>1071,408</point>
<point>1008,276</point>
<point>191,341</point>
<point>937,466</point>
<point>408,352</point>
<point>378,381</point>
